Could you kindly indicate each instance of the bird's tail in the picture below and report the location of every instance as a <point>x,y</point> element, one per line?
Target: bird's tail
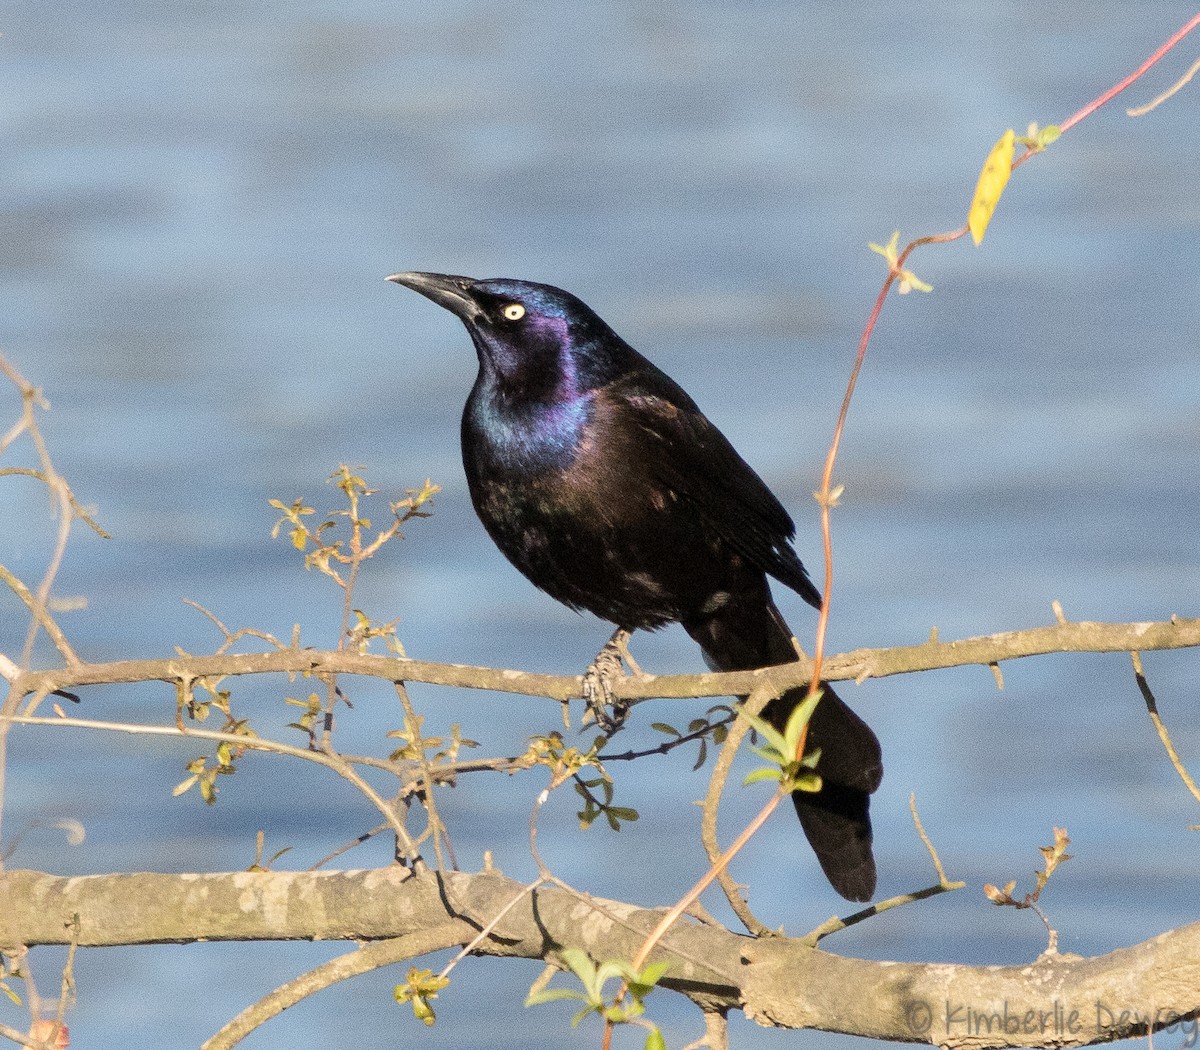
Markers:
<point>748,632</point>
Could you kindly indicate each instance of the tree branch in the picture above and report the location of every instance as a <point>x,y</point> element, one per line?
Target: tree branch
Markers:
<point>1054,1001</point>
<point>858,665</point>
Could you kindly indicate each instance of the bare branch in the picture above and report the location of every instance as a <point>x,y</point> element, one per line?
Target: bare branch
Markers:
<point>1160,727</point>
<point>943,885</point>
<point>1064,1001</point>
<point>342,765</point>
<point>753,706</point>
<point>858,665</point>
<point>40,614</point>
<point>1141,111</point>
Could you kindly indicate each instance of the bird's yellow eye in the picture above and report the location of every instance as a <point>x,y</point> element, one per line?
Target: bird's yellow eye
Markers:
<point>514,312</point>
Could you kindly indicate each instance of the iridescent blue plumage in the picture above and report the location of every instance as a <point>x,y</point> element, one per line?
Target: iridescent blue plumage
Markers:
<point>604,483</point>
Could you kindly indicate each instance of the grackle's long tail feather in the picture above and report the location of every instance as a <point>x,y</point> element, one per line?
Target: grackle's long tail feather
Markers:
<point>748,632</point>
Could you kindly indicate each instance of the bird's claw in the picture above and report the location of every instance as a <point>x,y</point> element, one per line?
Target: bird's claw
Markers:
<point>597,684</point>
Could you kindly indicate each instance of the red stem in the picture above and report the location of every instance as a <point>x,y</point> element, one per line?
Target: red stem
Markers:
<point>1116,89</point>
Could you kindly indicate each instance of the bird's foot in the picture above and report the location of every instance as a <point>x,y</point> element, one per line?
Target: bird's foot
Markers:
<point>598,679</point>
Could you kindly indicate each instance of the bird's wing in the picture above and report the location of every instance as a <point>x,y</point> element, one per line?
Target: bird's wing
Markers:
<point>687,453</point>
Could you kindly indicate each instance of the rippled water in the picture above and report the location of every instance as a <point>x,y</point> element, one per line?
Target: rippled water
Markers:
<point>199,203</point>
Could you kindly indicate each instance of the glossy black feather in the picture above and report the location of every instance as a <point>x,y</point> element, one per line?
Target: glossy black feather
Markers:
<point>604,483</point>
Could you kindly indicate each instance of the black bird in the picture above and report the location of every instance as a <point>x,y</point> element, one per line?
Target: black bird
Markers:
<point>600,479</point>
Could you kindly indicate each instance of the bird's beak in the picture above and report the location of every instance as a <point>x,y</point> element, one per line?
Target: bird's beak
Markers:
<point>447,290</point>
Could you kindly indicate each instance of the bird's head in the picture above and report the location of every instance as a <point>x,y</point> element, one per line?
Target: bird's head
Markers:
<point>532,339</point>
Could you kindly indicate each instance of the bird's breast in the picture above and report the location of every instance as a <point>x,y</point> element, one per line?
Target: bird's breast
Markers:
<point>525,439</point>
<point>526,468</point>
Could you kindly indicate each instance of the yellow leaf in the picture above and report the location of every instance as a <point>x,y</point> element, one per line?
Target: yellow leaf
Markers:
<point>992,180</point>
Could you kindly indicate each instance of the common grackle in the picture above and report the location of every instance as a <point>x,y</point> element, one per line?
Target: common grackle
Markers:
<point>600,479</point>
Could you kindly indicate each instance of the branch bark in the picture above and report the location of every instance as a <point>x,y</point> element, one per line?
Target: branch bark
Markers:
<point>858,665</point>
<point>1055,1001</point>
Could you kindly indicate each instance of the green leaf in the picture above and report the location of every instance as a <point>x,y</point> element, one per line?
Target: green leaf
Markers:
<point>780,750</point>
<point>807,781</point>
<point>643,983</point>
<point>582,1014</point>
<point>593,978</point>
<point>420,987</point>
<point>773,755</point>
<point>583,968</point>
<point>763,773</point>
<point>624,1013</point>
<point>609,969</point>
<point>770,735</point>
<point>662,727</point>
<point>796,722</point>
<point>553,995</point>
<point>655,1040</point>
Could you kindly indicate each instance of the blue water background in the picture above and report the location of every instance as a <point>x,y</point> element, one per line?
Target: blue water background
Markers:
<point>199,201</point>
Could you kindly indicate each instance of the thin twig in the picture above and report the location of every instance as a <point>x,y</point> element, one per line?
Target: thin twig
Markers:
<point>944,885</point>
<point>1141,111</point>
<point>38,601</point>
<point>753,705</point>
<point>558,778</point>
<point>706,880</point>
<point>1121,85</point>
<point>66,994</point>
<point>824,495</point>
<point>933,853</point>
<point>366,836</point>
<point>430,781</point>
<point>492,923</point>
<point>80,511</point>
<point>66,516</point>
<point>1163,735</point>
<point>41,616</point>
<point>836,924</point>
<point>669,745</point>
<point>362,960</point>
<point>343,765</point>
<point>232,637</point>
